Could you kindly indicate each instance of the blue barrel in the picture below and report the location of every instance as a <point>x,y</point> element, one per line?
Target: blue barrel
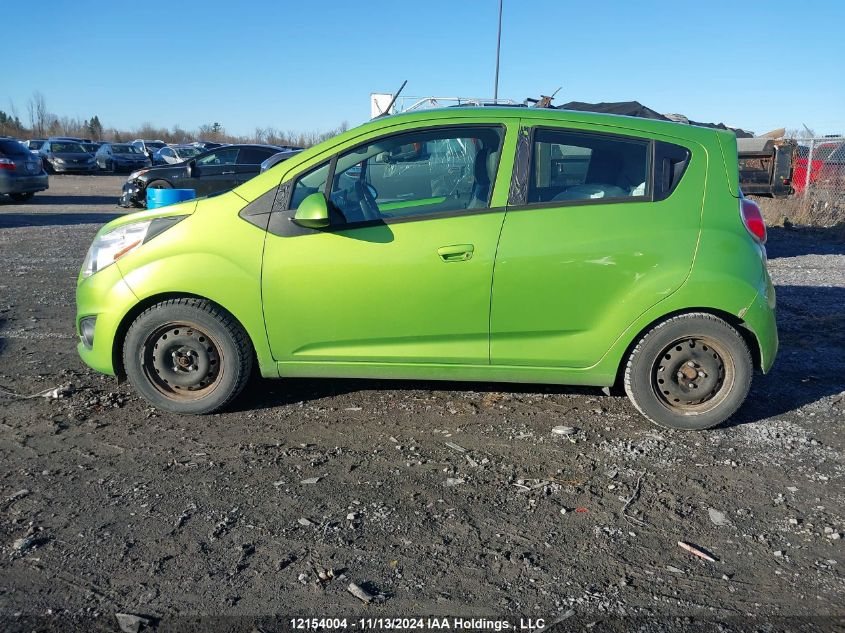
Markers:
<point>162,197</point>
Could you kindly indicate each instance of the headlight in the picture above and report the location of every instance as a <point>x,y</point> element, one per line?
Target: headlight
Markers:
<point>59,160</point>
<point>111,246</point>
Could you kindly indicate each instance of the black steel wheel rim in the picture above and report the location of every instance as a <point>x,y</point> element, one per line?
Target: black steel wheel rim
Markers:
<point>182,361</point>
<point>693,375</point>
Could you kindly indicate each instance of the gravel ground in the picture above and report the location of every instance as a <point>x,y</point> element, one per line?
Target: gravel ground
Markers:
<point>437,498</point>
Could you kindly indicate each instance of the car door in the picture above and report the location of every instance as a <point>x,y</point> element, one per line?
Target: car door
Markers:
<point>409,286</point>
<point>215,171</point>
<point>592,241</point>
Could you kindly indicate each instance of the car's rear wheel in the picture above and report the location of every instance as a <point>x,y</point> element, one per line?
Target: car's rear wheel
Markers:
<point>187,356</point>
<point>690,372</point>
<point>21,197</point>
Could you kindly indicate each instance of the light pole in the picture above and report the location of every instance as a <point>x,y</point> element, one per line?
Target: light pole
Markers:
<point>498,47</point>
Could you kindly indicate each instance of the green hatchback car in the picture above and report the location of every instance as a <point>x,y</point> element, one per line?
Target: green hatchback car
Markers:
<point>481,244</point>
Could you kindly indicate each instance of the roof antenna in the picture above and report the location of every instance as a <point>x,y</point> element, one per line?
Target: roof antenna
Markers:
<point>393,100</point>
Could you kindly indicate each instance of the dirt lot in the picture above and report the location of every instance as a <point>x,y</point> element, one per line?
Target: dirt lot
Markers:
<point>437,498</point>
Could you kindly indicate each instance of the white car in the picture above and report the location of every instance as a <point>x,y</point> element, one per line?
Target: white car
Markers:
<point>172,154</point>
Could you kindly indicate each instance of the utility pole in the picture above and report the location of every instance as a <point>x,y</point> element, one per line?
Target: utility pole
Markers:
<point>498,48</point>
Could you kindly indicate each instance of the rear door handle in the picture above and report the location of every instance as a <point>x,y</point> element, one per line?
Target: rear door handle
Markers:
<point>456,252</point>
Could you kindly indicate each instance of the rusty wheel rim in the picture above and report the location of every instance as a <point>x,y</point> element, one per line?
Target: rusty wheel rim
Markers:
<point>693,375</point>
<point>182,361</point>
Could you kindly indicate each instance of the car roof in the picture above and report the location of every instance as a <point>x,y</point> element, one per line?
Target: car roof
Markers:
<point>670,128</point>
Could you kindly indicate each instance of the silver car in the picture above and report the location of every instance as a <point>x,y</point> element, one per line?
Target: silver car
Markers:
<point>173,154</point>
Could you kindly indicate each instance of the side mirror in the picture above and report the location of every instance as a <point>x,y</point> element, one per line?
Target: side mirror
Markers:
<point>313,212</point>
<point>192,168</point>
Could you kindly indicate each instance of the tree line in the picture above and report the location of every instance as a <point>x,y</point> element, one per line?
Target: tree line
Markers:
<point>43,123</point>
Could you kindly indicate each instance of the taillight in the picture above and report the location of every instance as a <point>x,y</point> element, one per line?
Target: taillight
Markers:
<point>753,219</point>
<point>5,163</point>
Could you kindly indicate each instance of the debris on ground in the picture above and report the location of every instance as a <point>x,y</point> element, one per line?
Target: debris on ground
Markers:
<point>362,594</point>
<point>131,623</point>
<point>564,430</point>
<point>312,480</point>
<point>717,517</point>
<point>692,549</point>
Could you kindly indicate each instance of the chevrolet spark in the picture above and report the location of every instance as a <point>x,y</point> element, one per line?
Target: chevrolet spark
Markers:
<point>481,244</point>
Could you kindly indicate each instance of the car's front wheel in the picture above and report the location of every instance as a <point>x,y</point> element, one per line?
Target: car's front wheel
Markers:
<point>690,372</point>
<point>187,355</point>
<point>21,197</point>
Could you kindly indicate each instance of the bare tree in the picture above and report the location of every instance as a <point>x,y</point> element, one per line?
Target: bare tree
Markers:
<point>39,117</point>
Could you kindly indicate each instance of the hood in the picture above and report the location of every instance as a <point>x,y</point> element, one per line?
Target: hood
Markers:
<point>181,208</point>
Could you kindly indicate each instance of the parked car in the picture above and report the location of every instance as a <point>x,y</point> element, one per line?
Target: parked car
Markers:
<point>91,147</point>
<point>765,166</point>
<point>802,157</point>
<point>21,173</point>
<point>34,144</point>
<point>120,157</point>
<point>275,159</point>
<point>66,157</point>
<point>148,147</point>
<point>211,172</point>
<point>371,255</point>
<point>207,144</point>
<point>172,154</point>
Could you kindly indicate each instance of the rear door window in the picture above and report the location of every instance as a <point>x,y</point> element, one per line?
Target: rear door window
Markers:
<point>254,155</point>
<point>569,166</point>
<point>227,156</point>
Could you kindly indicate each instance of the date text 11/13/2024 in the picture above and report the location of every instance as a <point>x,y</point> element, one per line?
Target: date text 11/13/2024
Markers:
<point>419,624</point>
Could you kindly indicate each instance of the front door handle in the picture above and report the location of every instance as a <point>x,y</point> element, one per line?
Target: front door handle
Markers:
<point>226,173</point>
<point>456,252</point>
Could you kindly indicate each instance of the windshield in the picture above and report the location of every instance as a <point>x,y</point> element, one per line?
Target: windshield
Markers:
<point>125,149</point>
<point>67,148</point>
<point>186,152</point>
<point>155,144</point>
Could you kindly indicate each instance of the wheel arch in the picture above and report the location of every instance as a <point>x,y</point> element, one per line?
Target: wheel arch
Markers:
<point>148,302</point>
<point>731,319</point>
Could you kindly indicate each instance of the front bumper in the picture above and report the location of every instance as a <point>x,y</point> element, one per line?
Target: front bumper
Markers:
<point>74,169</point>
<point>134,195</point>
<point>24,184</point>
<point>106,296</point>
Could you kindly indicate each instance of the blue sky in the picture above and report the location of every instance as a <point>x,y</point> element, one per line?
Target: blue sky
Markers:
<point>310,65</point>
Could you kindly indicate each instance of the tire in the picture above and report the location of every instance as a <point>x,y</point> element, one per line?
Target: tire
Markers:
<point>48,167</point>
<point>690,372</point>
<point>187,356</point>
<point>22,197</point>
<point>159,184</point>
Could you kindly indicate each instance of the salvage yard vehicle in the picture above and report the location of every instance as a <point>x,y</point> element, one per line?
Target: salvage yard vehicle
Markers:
<point>21,173</point>
<point>120,156</point>
<point>765,166</point>
<point>148,147</point>
<point>208,173</point>
<point>372,255</point>
<point>66,157</point>
<point>172,154</point>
